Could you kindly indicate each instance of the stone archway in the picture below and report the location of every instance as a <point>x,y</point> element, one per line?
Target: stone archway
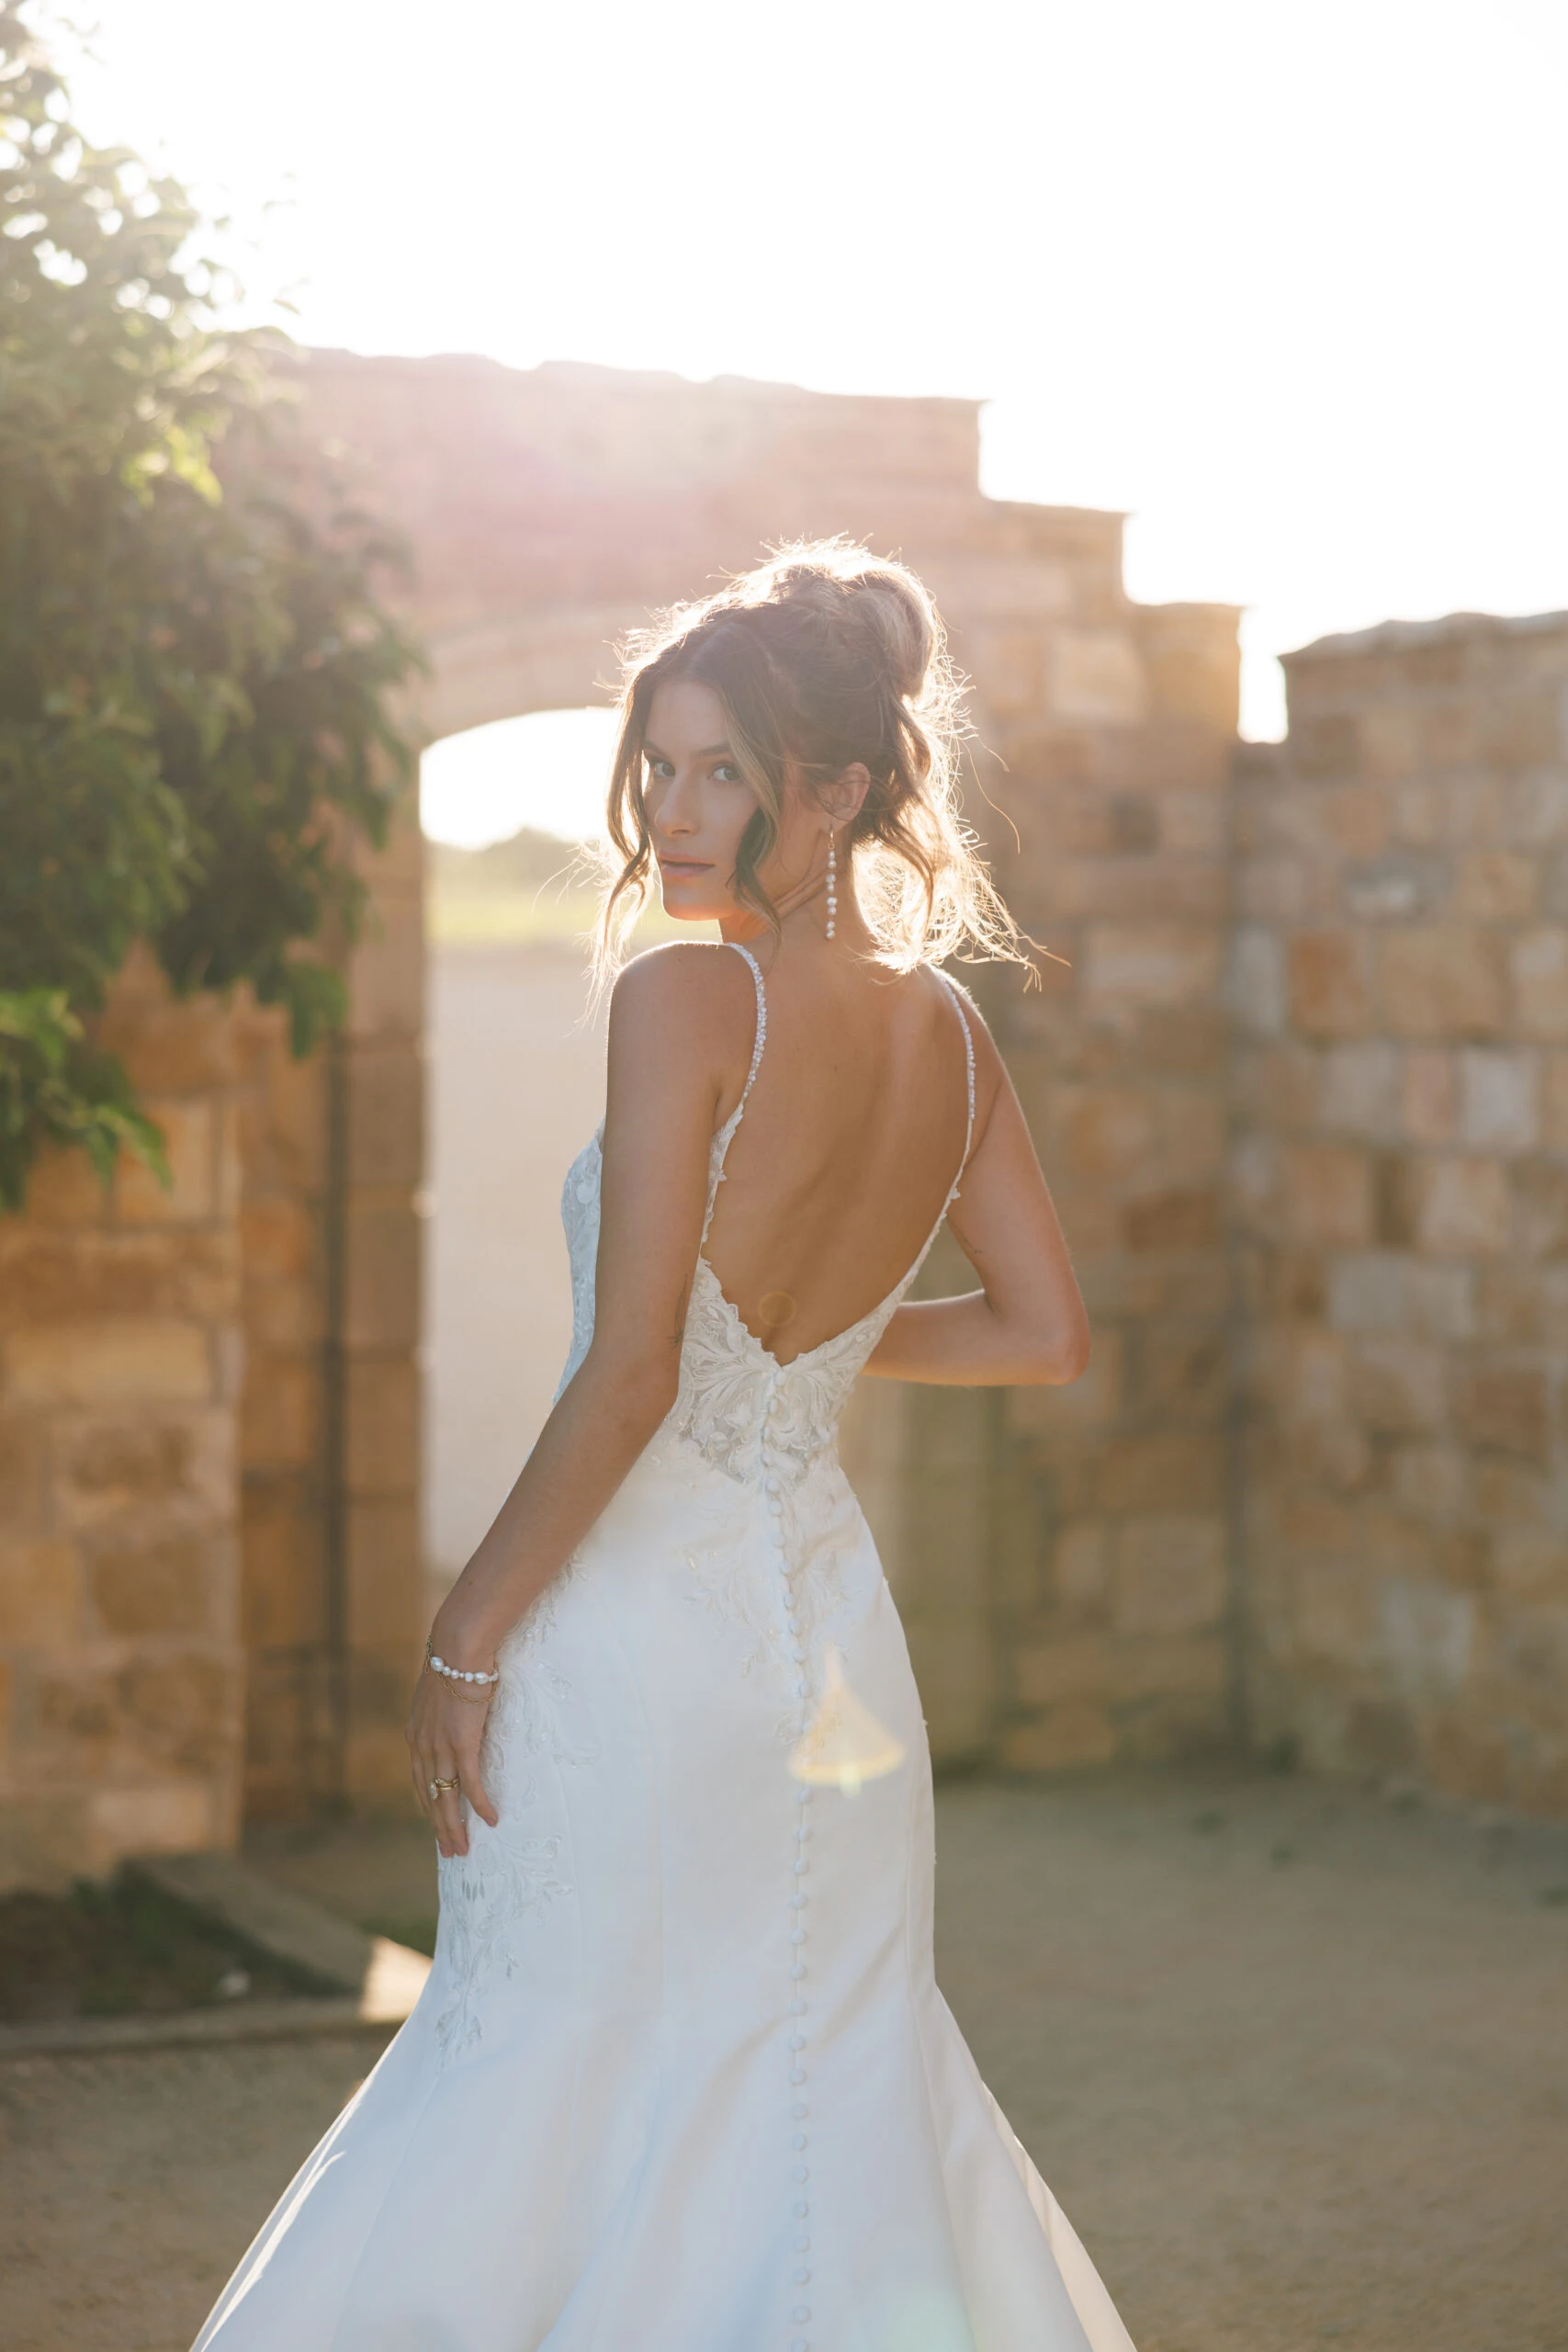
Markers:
<point>547,513</point>
<point>209,1568</point>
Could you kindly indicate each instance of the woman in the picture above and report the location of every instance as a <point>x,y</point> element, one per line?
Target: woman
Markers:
<point>681,2080</point>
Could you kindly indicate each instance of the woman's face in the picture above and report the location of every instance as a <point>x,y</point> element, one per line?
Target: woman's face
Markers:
<point>698,806</point>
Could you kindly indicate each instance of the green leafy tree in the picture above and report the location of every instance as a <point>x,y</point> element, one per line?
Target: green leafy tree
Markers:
<point>195,667</point>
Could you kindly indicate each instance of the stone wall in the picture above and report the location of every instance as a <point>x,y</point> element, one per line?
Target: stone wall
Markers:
<point>1109,1516</point>
<point>331,1215</point>
<point>550,509</point>
<point>120,1366</point>
<point>1314,1489</point>
<point>1401,1103</point>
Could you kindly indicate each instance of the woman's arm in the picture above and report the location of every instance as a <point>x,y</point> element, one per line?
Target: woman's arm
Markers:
<point>1027,1325</point>
<point>679,1038</point>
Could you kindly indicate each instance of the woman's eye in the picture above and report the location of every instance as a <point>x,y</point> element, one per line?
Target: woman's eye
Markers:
<point>659,768</point>
<point>728,773</point>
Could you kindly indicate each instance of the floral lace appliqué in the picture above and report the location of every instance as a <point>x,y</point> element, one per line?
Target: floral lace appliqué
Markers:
<point>486,1895</point>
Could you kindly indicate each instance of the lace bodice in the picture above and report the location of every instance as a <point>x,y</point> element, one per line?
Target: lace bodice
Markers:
<point>747,1414</point>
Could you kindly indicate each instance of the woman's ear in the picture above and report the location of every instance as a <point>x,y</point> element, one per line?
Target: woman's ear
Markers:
<point>845,797</point>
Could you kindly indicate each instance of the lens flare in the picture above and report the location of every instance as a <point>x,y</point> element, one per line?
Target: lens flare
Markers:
<point>844,1744</point>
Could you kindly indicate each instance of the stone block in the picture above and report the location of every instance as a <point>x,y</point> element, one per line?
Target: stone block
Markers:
<point>278,1238</point>
<point>1150,964</point>
<point>1395,886</point>
<point>1080,1572</point>
<point>172,1045</point>
<point>1359,1088</point>
<point>22,1470</point>
<point>1496,886</point>
<point>1538,973</point>
<point>280,1417</point>
<point>1430,1481</point>
<point>1529,1564</point>
<point>147,1360</point>
<point>1398,1386</point>
<point>40,1591</point>
<point>1540,1190</point>
<point>106,1464</point>
<point>1193,1666</point>
<point>1186,1217</point>
<point>173,1580</point>
<point>190,1143</point>
<point>1554,1102</point>
<point>1169,1574</point>
<point>383,1425</point>
<point>185,1710</point>
<point>1256,980</point>
<point>1428,1100</point>
<point>1427,1636</point>
<point>387,971</point>
<point>1097,676</point>
<point>385,1243</point>
<point>1073,1666</point>
<point>386,1116</point>
<point>1505,1406</point>
<point>283,1553</point>
<point>284,1315</point>
<point>1499,1098</point>
<point>1327,1195</point>
<point>1013,662</point>
<point>1334,1612</point>
<point>1161,1470</point>
<point>1384,1290</point>
<point>386,1575</point>
<point>1459,1208</point>
<point>1443,980</point>
<point>1182,1370</point>
<point>47,1275</point>
<point>1077,1733</point>
<point>64,1189</point>
<point>1110,1134</point>
<point>1330,995</point>
<point>172,1816</point>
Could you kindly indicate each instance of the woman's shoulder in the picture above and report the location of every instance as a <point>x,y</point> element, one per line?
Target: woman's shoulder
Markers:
<point>685,993</point>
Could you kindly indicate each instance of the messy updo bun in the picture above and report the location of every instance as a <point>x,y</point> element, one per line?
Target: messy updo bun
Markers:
<point>822,656</point>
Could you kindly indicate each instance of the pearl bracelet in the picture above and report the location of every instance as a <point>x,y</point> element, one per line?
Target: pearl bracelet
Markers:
<point>455,1673</point>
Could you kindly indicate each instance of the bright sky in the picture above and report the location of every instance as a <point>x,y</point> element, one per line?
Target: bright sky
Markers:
<point>1283,278</point>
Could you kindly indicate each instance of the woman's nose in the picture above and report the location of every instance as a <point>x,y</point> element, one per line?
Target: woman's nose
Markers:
<point>677,812</point>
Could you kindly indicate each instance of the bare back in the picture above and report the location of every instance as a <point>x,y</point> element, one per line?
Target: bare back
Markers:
<point>855,1128</point>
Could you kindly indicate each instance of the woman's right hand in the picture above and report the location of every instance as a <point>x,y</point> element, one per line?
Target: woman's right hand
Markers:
<point>444,1733</point>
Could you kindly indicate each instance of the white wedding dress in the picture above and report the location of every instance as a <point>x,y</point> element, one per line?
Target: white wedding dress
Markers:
<point>681,2079</point>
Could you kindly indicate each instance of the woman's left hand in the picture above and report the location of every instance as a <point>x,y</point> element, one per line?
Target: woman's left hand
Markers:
<point>445,1732</point>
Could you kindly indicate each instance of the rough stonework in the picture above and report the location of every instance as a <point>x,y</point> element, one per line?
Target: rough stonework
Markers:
<point>1400,1102</point>
<point>120,1364</point>
<point>1061,1562</point>
<point>1312,1489</point>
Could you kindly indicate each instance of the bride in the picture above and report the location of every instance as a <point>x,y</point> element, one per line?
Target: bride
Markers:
<point>681,2079</point>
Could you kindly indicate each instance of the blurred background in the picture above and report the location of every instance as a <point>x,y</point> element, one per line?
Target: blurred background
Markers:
<point>364,377</point>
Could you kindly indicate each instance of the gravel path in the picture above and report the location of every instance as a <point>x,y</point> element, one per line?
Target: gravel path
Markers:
<point>1294,2060</point>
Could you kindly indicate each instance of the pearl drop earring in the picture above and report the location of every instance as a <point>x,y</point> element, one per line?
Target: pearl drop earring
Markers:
<point>833,886</point>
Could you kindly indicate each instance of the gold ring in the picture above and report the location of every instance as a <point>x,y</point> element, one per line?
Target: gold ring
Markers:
<point>438,1787</point>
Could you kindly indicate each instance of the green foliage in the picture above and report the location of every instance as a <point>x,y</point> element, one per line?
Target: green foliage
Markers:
<point>195,668</point>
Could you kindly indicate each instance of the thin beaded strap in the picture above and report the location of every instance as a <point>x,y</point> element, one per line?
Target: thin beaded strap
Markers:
<point>957,995</point>
<point>762,1037</point>
<point>726,1134</point>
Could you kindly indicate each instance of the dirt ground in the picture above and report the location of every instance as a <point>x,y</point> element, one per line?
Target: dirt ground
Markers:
<point>1296,2061</point>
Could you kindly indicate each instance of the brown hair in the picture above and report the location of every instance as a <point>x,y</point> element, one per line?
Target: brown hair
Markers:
<point>822,656</point>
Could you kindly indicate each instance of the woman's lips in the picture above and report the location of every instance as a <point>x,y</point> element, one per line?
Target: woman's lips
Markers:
<point>681,868</point>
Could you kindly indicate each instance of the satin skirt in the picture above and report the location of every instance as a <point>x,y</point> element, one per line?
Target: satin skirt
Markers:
<point>681,2079</point>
